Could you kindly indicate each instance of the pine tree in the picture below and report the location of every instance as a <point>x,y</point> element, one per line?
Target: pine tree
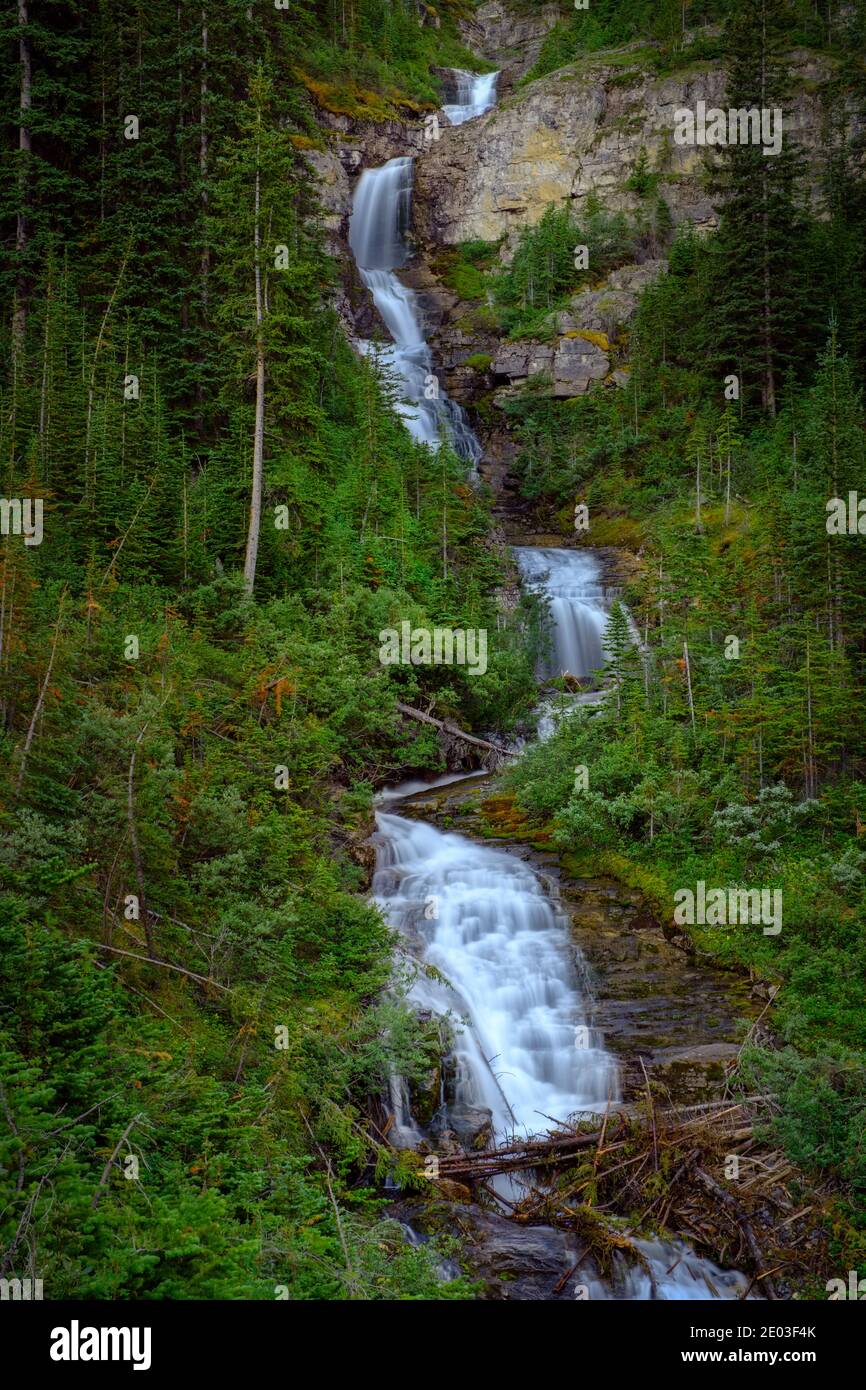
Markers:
<point>728,441</point>
<point>760,296</point>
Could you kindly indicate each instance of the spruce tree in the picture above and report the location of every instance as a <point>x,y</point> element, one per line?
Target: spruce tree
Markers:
<point>760,296</point>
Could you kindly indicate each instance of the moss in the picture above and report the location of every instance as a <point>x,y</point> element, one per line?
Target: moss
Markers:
<point>305,142</point>
<point>348,99</point>
<point>589,335</point>
<point>479,362</point>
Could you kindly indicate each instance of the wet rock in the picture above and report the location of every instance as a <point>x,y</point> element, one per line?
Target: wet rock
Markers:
<point>514,1262</point>
<point>472,1124</point>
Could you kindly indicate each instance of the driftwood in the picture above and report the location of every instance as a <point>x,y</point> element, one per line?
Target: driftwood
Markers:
<point>448,728</point>
<point>736,1211</point>
<point>562,1146</point>
<point>576,1177</point>
<point>529,1153</point>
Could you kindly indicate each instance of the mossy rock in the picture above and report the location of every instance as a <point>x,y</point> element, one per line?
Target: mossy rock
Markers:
<point>589,335</point>
<point>479,362</point>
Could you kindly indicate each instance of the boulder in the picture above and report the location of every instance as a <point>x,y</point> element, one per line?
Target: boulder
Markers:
<point>519,1263</point>
<point>472,1124</point>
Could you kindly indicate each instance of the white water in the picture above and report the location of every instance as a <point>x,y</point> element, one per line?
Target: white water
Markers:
<point>571,579</point>
<point>679,1275</point>
<point>475,93</point>
<point>381,215</point>
<point>514,982</point>
<point>526,1051</point>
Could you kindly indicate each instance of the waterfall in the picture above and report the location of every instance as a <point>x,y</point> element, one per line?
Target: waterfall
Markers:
<point>508,976</point>
<point>571,580</point>
<point>381,214</point>
<point>524,1047</point>
<point>474,94</point>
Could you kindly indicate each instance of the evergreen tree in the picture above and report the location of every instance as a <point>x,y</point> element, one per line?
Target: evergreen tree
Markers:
<point>761,272</point>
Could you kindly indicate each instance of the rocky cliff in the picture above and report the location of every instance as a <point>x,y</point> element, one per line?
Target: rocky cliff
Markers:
<point>581,130</point>
<point>578,131</point>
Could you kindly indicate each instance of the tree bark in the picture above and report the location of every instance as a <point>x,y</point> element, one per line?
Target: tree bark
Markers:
<point>22,230</point>
<point>255,520</point>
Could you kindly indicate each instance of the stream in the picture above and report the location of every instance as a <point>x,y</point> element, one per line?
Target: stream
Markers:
<point>526,1051</point>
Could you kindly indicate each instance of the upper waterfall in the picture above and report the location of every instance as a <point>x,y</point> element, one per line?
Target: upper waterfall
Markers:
<point>475,93</point>
<point>381,214</point>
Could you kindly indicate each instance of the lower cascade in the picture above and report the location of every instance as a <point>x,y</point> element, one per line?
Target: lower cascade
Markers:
<point>526,1051</point>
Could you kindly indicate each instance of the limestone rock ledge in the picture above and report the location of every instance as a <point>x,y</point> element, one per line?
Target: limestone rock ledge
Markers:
<point>581,130</point>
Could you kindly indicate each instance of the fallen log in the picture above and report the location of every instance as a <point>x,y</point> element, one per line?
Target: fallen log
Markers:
<point>531,1153</point>
<point>732,1206</point>
<point>448,728</point>
<point>558,1148</point>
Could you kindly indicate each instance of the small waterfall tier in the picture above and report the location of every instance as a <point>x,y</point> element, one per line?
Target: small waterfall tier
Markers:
<point>378,228</point>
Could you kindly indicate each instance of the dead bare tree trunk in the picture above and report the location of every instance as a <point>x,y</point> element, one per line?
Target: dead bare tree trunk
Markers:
<point>689,683</point>
<point>255,520</point>
<point>106,1172</point>
<point>452,729</point>
<point>136,848</point>
<point>769,384</point>
<point>41,698</point>
<point>203,144</point>
<point>22,230</point>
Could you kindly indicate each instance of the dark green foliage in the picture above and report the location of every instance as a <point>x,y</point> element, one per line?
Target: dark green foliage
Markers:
<point>190,975</point>
<point>545,270</point>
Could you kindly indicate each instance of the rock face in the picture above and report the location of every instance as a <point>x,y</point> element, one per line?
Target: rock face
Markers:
<point>577,131</point>
<point>581,130</point>
<point>582,342</point>
<point>607,309</point>
<point>511,39</point>
<point>569,366</point>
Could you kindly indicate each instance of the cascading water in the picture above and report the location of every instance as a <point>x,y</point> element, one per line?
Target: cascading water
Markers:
<point>525,1050</point>
<point>571,580</point>
<point>474,94</point>
<point>508,974</point>
<point>381,214</point>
